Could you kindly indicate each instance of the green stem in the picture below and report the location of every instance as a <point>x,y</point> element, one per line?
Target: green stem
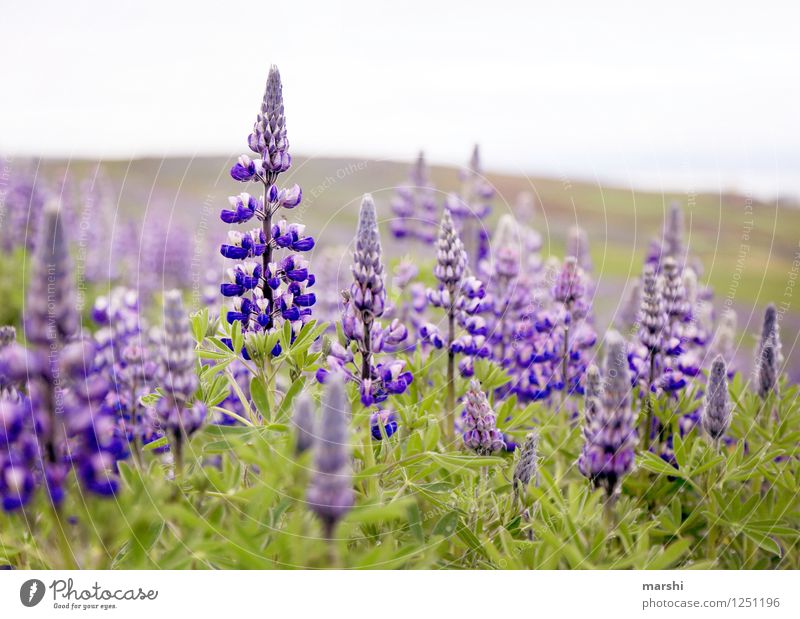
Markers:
<point>450,403</point>
<point>67,556</point>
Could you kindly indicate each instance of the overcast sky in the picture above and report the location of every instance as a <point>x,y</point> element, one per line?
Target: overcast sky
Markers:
<point>683,95</point>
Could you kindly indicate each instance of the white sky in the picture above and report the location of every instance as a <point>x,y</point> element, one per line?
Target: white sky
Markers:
<point>668,94</point>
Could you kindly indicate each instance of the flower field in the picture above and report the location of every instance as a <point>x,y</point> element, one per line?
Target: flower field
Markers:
<point>438,376</point>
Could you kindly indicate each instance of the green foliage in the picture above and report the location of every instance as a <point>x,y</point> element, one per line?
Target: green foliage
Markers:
<point>420,503</point>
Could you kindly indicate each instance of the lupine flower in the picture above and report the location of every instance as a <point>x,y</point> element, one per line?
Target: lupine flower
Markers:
<point>617,387</point>
<point>480,426</point>
<point>179,413</point>
<point>330,494</point>
<point>514,310</point>
<point>770,332</point>
<point>414,206</point>
<point>652,322</point>
<point>575,335</point>
<point>609,444</point>
<point>61,421</point>
<point>716,415</point>
<point>594,384</point>
<point>768,370</point>
<point>266,292</point>
<point>364,305</point>
<point>382,421</point>
<point>470,207</point>
<point>526,465</point>
<point>459,295</point>
<point>124,358</point>
<point>8,388</point>
<point>24,211</point>
<point>304,424</point>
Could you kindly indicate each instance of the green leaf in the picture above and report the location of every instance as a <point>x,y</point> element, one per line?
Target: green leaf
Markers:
<point>446,525</point>
<point>161,442</point>
<point>651,462</point>
<point>258,393</point>
<point>291,394</point>
<point>669,555</point>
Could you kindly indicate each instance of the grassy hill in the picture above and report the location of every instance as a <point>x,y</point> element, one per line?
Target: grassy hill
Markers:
<point>750,249</point>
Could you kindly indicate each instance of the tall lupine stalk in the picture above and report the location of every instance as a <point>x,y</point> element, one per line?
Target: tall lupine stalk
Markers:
<point>368,291</point>
<point>8,388</point>
<point>179,413</point>
<point>25,201</point>
<point>513,309</point>
<point>265,291</point>
<point>125,358</point>
<point>330,495</point>
<point>569,291</point>
<point>652,323</point>
<point>609,432</point>
<point>459,294</point>
<point>414,206</point>
<point>716,414</point>
<point>364,305</point>
<point>471,207</point>
<point>617,386</point>
<point>769,356</point>
<point>526,468</point>
<point>61,420</point>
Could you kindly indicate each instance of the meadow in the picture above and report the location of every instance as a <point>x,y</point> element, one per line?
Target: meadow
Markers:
<point>372,364</point>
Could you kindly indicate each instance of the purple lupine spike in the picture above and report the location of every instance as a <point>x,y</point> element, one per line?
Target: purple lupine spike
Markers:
<point>480,426</point>
<point>303,420</point>
<point>178,411</point>
<point>716,415</point>
<point>770,332</point>
<point>65,421</point>
<point>609,445</point>
<point>368,293</point>
<point>526,468</point>
<point>674,295</point>
<point>652,319</point>
<point>575,334</point>
<point>269,132</point>
<point>364,304</point>
<point>768,370</point>
<point>266,291</point>
<point>8,388</point>
<point>460,296</point>
<point>25,201</point>
<point>51,311</point>
<point>617,387</point>
<point>594,383</point>
<point>471,207</point>
<point>330,494</point>
<point>414,206</point>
